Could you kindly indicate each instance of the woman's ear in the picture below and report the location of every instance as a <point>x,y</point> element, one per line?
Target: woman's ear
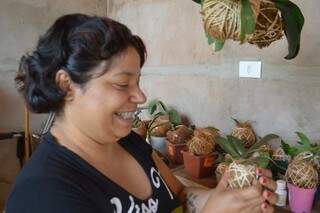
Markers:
<point>64,81</point>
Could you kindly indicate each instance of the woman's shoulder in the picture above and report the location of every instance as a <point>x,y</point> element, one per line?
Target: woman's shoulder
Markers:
<point>50,186</point>
<point>48,194</point>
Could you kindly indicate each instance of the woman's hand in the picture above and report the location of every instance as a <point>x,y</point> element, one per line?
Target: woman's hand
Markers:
<point>265,179</point>
<point>251,199</point>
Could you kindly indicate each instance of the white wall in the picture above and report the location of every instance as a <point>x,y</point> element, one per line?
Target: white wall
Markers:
<point>182,71</point>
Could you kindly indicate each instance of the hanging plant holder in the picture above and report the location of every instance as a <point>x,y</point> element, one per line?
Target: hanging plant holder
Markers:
<point>222,20</point>
<point>268,25</point>
<point>258,22</point>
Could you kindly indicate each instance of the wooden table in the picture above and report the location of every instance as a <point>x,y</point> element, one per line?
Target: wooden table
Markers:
<point>211,182</point>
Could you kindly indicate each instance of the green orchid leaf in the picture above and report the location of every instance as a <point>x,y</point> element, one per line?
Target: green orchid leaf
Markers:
<point>197,1</point>
<point>218,45</point>
<point>316,150</point>
<point>304,140</point>
<point>164,108</point>
<point>157,106</point>
<point>247,21</point>
<point>210,39</point>
<point>289,150</point>
<point>212,128</point>
<point>226,146</point>
<point>293,22</point>
<point>263,159</point>
<point>152,106</point>
<point>174,117</point>
<point>235,120</point>
<point>237,144</point>
<point>264,140</point>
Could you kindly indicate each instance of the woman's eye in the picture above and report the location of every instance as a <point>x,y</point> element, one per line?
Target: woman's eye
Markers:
<point>122,86</point>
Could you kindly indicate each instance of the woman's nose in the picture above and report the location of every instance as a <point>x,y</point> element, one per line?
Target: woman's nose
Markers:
<point>138,96</point>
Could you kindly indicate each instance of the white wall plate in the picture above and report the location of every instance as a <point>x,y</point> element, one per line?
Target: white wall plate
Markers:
<point>250,69</point>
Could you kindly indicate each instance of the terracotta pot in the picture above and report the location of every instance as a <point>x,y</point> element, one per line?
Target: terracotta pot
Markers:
<point>174,152</point>
<point>180,135</point>
<point>198,166</point>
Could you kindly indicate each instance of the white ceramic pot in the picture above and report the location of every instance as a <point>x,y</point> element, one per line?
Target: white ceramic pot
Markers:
<point>159,143</point>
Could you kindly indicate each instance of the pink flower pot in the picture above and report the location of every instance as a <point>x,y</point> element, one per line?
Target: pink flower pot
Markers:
<point>300,200</point>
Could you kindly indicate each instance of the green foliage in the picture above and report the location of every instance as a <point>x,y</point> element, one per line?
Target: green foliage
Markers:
<point>261,142</point>
<point>198,1</point>
<point>227,146</point>
<point>293,20</point>
<point>293,23</point>
<point>237,144</point>
<point>174,117</point>
<point>263,159</point>
<point>136,120</point>
<point>247,21</point>
<point>302,146</point>
<point>217,44</point>
<point>237,150</point>
<point>236,121</point>
<point>289,150</point>
<point>157,108</point>
<point>305,142</point>
<point>212,128</point>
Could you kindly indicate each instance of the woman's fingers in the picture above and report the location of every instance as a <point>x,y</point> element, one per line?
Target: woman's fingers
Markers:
<point>266,208</point>
<point>250,193</point>
<point>268,183</point>
<point>264,172</point>
<point>253,206</point>
<point>271,197</point>
<point>223,183</point>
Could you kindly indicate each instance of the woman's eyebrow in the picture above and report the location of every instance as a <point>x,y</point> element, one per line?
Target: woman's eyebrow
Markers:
<point>125,72</point>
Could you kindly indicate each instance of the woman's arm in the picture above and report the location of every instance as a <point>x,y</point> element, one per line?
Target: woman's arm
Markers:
<point>193,198</point>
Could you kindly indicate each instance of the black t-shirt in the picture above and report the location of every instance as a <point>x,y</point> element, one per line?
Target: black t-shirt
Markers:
<point>56,180</point>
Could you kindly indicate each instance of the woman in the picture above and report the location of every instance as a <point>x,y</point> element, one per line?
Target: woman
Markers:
<point>87,70</point>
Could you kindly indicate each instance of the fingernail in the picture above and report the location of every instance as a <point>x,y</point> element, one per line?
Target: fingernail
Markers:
<point>263,180</point>
<point>268,194</point>
<point>259,171</point>
<point>264,205</point>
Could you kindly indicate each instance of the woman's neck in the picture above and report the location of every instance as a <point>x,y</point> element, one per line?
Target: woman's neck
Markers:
<point>86,147</point>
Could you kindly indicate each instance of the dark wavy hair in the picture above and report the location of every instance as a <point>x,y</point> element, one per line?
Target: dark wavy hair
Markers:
<point>76,43</point>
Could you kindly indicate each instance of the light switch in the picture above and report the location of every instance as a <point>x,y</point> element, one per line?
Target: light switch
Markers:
<point>250,69</point>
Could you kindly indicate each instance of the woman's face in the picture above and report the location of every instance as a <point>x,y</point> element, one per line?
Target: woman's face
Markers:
<point>103,110</point>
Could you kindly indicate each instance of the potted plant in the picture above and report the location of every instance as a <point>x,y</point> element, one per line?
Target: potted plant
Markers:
<point>163,119</point>
<point>244,131</point>
<point>176,142</point>
<point>302,174</point>
<point>241,161</point>
<point>199,158</point>
<point>302,179</point>
<point>139,126</point>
